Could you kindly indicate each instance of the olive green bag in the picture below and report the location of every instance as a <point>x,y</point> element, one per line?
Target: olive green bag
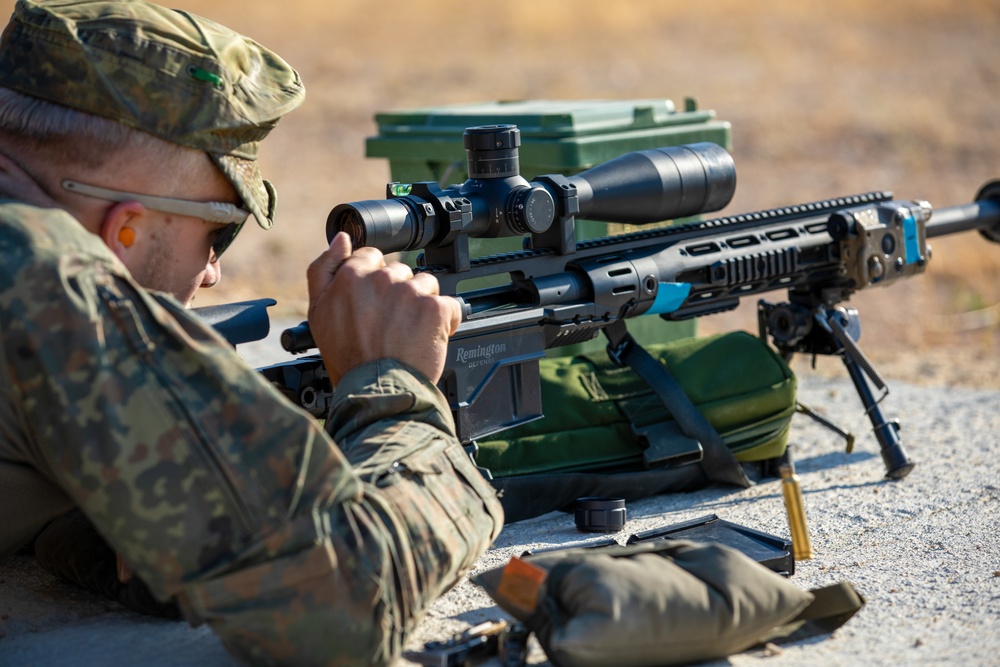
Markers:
<point>659,603</point>
<point>605,427</point>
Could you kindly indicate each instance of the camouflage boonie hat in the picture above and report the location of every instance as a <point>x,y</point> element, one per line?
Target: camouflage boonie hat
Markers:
<point>167,72</point>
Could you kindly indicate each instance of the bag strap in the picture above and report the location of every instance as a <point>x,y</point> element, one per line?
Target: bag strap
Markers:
<point>717,461</point>
<point>832,606</point>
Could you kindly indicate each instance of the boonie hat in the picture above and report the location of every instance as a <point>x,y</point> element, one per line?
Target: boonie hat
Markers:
<point>167,72</point>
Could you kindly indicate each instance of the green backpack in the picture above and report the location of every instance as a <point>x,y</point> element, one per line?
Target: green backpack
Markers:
<point>607,432</point>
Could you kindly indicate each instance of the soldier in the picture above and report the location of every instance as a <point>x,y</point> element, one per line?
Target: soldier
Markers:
<point>128,145</point>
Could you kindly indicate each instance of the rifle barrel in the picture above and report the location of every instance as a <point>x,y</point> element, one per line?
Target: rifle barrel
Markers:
<point>984,214</point>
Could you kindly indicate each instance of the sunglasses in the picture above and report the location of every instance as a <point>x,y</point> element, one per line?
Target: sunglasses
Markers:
<point>224,213</point>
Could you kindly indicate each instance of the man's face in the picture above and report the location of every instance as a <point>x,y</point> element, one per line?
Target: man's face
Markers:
<point>179,259</point>
<point>174,252</point>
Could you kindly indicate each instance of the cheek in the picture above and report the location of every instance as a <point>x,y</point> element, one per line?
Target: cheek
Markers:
<point>190,263</point>
<point>192,237</point>
<point>197,249</point>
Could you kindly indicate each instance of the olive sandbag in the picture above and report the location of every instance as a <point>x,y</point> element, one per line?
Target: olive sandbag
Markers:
<point>648,604</point>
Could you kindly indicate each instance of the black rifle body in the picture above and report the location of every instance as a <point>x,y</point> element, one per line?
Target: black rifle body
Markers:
<point>678,273</point>
<point>819,253</point>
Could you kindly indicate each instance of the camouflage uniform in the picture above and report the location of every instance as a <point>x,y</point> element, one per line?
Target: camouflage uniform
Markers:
<point>219,492</point>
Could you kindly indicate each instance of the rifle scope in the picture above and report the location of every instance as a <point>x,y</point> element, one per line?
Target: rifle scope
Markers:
<point>637,188</point>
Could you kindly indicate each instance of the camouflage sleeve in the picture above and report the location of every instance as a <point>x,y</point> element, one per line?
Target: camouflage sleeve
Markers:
<point>214,487</point>
<point>423,517</point>
<point>425,514</point>
<point>181,454</point>
<point>369,394</point>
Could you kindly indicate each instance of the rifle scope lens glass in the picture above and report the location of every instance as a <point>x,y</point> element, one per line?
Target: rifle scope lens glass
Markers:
<point>349,220</point>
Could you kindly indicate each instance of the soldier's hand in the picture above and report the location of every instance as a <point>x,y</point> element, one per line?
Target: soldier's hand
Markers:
<point>362,309</point>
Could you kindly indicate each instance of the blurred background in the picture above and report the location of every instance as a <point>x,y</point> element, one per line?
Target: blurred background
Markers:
<point>825,99</point>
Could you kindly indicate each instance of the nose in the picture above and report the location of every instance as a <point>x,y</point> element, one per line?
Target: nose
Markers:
<point>213,274</point>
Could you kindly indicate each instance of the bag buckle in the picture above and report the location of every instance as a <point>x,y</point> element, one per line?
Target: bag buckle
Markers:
<point>667,445</point>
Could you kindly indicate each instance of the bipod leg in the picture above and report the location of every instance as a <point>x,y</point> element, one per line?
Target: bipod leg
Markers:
<point>837,333</point>
<point>897,463</point>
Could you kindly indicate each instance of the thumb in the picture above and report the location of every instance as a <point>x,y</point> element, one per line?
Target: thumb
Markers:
<point>323,268</point>
<point>454,315</point>
<point>340,249</point>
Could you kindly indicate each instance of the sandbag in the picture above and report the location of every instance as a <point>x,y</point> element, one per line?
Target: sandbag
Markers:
<point>660,603</point>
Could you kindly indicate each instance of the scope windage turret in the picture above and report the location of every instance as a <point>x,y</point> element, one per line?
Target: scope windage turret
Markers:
<point>636,188</point>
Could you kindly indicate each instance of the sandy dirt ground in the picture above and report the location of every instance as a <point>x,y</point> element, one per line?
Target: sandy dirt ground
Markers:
<point>825,99</point>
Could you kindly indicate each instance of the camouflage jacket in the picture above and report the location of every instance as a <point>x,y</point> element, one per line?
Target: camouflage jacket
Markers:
<point>123,399</point>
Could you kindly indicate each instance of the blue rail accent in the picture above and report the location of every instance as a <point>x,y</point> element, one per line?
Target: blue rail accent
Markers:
<point>670,297</point>
<point>911,239</point>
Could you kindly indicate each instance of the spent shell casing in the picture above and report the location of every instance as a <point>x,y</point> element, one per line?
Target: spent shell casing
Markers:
<point>794,507</point>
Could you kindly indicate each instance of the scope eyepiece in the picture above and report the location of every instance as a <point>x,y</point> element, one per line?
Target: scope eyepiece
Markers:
<point>391,225</point>
<point>350,220</point>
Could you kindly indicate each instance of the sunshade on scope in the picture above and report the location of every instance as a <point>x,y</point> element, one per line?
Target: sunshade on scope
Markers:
<point>496,201</point>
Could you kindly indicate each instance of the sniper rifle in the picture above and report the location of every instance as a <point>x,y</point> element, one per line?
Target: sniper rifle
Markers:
<point>560,291</point>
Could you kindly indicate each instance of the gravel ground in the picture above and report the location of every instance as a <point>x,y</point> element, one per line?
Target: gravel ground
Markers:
<point>924,551</point>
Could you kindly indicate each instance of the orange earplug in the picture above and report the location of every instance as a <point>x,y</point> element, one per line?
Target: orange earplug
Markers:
<point>127,236</point>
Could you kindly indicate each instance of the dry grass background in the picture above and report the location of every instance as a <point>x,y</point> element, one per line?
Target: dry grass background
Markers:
<point>825,98</point>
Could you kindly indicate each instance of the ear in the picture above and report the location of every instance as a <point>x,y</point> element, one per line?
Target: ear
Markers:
<point>122,229</point>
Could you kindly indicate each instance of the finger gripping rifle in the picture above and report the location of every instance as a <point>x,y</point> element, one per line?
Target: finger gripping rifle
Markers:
<point>559,291</point>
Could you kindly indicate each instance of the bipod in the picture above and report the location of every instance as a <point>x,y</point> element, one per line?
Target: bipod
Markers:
<point>792,327</point>
<point>838,322</point>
